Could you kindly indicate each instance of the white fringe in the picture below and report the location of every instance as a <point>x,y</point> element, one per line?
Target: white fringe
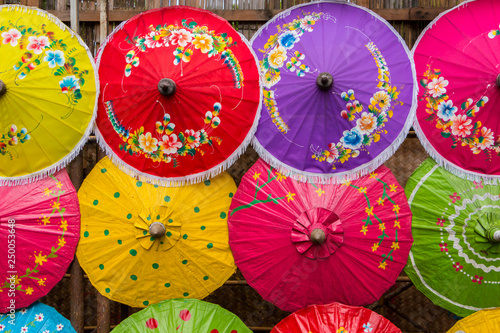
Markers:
<point>190,179</point>
<point>34,176</point>
<point>441,160</point>
<point>342,177</point>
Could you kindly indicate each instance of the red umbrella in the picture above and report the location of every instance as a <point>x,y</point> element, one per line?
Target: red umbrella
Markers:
<point>180,95</point>
<point>335,318</point>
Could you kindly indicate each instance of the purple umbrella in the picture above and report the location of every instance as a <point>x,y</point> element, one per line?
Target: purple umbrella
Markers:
<point>339,91</point>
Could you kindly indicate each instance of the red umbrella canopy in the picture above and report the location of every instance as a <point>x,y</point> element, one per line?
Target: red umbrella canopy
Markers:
<point>300,243</point>
<point>39,230</point>
<point>335,318</point>
<point>180,95</point>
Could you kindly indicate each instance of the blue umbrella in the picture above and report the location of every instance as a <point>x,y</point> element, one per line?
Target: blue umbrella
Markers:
<point>37,318</point>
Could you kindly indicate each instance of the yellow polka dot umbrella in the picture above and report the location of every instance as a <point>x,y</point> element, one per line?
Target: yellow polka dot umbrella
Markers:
<point>48,94</point>
<point>484,321</point>
<point>142,243</point>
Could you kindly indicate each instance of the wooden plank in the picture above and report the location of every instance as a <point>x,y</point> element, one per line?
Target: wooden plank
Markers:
<point>73,17</point>
<point>77,309</point>
<point>258,15</point>
<point>103,314</point>
<point>103,20</point>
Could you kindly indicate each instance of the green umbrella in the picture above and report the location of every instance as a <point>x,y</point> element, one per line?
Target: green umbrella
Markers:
<point>183,316</point>
<point>455,258</point>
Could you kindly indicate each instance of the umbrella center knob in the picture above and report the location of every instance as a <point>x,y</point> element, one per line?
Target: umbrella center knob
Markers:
<point>3,88</point>
<point>317,236</point>
<point>157,229</point>
<point>167,87</point>
<point>493,235</point>
<point>324,81</point>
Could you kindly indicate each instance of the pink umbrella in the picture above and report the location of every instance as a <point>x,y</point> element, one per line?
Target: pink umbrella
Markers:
<point>457,59</point>
<point>300,243</point>
<point>39,231</point>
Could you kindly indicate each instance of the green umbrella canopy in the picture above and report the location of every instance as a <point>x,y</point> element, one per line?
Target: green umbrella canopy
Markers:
<point>455,258</point>
<point>183,315</point>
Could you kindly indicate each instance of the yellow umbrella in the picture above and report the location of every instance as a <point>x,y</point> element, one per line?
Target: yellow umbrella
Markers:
<point>484,321</point>
<point>48,94</point>
<point>141,243</point>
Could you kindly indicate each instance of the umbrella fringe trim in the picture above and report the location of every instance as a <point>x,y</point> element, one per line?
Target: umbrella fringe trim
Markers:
<point>438,158</point>
<point>61,164</point>
<point>360,171</point>
<point>449,166</point>
<point>42,13</point>
<point>190,179</point>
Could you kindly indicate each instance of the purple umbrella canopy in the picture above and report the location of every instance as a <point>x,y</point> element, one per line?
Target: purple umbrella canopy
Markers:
<point>339,89</point>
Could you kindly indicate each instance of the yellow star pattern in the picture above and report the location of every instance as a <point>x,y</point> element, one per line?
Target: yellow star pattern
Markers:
<point>380,201</point>
<point>320,192</point>
<point>375,247</point>
<point>364,229</point>
<point>369,211</point>
<point>395,246</point>
<point>382,265</point>
<point>256,175</point>
<point>381,226</point>
<point>397,224</point>
<point>393,187</point>
<point>289,196</point>
<point>373,175</point>
<point>279,176</point>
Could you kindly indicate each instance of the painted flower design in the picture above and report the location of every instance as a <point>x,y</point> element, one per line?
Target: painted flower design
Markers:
<point>446,110</point>
<point>203,42</point>
<point>333,153</point>
<point>154,39</point>
<point>270,79</point>
<point>181,37</point>
<point>69,84</point>
<point>485,139</point>
<point>444,247</point>
<point>2,327</point>
<point>54,58</point>
<point>192,137</point>
<point>39,317</point>
<point>457,266</point>
<point>37,44</point>
<point>24,329</point>
<point>437,86</point>
<point>367,123</point>
<point>12,36</point>
<point>352,139</point>
<point>367,327</point>
<point>147,143</point>
<point>440,222</point>
<point>169,144</point>
<point>288,39</point>
<point>477,279</point>
<point>381,99</point>
<point>461,125</point>
<point>277,57</point>
<point>59,327</point>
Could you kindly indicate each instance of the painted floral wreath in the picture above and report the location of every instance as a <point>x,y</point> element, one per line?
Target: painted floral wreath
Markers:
<point>278,53</point>
<point>42,46</point>
<point>454,124</point>
<point>187,38</point>
<point>369,124</point>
